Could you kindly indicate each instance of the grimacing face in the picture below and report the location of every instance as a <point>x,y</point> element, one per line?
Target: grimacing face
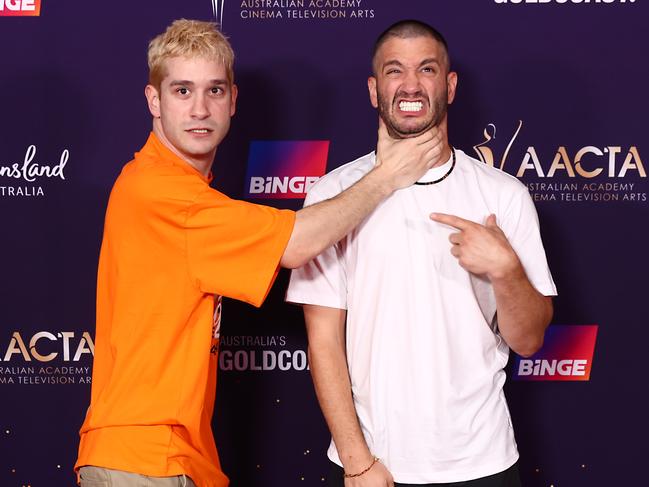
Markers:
<point>193,106</point>
<point>411,87</point>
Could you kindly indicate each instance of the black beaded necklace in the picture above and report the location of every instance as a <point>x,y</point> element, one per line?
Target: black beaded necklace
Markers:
<point>427,183</point>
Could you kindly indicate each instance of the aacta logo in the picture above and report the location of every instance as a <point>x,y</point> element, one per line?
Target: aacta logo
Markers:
<point>567,354</point>
<point>45,347</point>
<point>285,169</point>
<point>23,8</point>
<point>217,10</point>
<point>586,162</point>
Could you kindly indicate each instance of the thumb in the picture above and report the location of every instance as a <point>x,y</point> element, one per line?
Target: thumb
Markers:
<point>491,221</point>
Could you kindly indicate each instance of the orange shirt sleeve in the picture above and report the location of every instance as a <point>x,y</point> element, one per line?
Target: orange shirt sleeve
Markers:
<point>234,247</point>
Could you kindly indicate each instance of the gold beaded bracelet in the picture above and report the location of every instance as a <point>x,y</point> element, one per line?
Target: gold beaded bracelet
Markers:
<point>351,475</point>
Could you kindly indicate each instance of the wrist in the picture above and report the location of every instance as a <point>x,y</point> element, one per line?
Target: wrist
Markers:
<point>348,475</point>
<point>381,181</point>
<point>510,271</point>
<point>357,460</point>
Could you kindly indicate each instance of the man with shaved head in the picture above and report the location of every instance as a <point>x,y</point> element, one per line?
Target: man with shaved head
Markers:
<point>411,316</point>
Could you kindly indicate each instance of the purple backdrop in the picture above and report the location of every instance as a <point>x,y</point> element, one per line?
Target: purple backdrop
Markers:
<point>561,85</point>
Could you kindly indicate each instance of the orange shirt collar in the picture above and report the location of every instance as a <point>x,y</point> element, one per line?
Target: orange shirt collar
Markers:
<point>156,149</point>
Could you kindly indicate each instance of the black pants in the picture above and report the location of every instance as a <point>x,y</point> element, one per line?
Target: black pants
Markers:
<point>508,478</point>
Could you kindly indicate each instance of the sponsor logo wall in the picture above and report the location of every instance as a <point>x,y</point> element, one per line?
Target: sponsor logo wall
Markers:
<point>284,169</point>
<point>584,174</point>
<point>26,178</point>
<point>550,91</point>
<point>567,354</point>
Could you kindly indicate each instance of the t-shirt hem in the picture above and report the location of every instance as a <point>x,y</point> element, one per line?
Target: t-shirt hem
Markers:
<point>100,452</point>
<point>270,273</point>
<point>456,475</point>
<point>297,298</point>
<point>545,289</point>
<point>452,476</point>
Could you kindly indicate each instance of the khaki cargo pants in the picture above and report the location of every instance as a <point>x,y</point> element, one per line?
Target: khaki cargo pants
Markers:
<point>104,477</point>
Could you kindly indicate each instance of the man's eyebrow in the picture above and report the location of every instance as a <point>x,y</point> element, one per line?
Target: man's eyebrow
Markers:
<point>430,60</point>
<point>392,62</point>
<point>395,62</point>
<point>186,82</point>
<point>183,82</point>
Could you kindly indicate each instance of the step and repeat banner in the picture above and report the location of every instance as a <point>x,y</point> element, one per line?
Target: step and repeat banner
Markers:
<point>553,92</point>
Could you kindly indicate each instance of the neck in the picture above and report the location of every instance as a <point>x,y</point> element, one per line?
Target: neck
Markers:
<point>201,164</point>
<point>445,155</point>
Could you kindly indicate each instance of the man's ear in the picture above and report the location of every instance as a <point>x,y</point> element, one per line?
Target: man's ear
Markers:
<point>451,83</point>
<point>371,86</point>
<point>153,100</point>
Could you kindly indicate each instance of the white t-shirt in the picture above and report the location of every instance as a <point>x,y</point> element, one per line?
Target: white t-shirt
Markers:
<point>425,361</point>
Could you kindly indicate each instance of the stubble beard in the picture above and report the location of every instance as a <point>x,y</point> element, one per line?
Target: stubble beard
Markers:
<point>396,131</point>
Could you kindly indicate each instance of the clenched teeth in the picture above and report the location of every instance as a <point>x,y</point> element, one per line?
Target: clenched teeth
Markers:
<point>410,106</point>
<point>199,131</point>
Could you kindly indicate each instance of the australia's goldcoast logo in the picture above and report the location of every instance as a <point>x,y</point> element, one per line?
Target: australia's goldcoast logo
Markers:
<point>24,178</point>
<point>20,8</point>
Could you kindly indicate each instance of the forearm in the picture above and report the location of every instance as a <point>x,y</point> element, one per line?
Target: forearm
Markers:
<point>321,225</point>
<point>328,364</point>
<point>333,388</point>
<point>523,312</point>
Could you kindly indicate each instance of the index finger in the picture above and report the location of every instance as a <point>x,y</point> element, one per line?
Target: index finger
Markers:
<point>452,220</point>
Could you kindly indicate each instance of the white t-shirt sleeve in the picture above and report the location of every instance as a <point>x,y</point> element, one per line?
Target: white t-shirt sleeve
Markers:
<point>322,281</point>
<point>521,226</point>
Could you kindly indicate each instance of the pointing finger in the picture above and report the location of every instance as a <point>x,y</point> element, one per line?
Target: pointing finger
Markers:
<point>452,220</point>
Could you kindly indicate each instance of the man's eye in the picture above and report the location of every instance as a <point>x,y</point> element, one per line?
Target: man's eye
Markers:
<point>428,70</point>
<point>182,91</point>
<point>393,71</point>
<point>217,91</point>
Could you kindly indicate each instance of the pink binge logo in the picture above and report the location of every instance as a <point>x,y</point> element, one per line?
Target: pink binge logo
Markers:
<point>20,8</point>
<point>284,169</point>
<point>567,354</point>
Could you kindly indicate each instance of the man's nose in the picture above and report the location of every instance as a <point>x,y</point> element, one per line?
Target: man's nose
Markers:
<point>411,82</point>
<point>200,109</point>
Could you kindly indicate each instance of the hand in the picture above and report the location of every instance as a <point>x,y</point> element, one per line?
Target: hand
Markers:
<point>481,249</point>
<point>404,161</point>
<point>377,476</point>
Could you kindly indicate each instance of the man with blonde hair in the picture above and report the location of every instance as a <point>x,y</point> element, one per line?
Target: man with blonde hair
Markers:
<point>172,247</point>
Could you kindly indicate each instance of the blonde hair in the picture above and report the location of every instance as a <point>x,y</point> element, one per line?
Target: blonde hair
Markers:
<point>189,38</point>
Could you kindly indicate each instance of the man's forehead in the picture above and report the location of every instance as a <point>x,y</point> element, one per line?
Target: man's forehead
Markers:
<point>194,61</point>
<point>411,48</point>
<point>193,69</point>
<point>404,45</point>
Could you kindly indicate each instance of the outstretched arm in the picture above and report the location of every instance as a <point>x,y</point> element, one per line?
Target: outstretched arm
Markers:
<point>399,164</point>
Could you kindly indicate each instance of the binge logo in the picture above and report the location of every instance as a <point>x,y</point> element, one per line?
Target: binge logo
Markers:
<point>284,169</point>
<point>567,354</point>
<point>23,8</point>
